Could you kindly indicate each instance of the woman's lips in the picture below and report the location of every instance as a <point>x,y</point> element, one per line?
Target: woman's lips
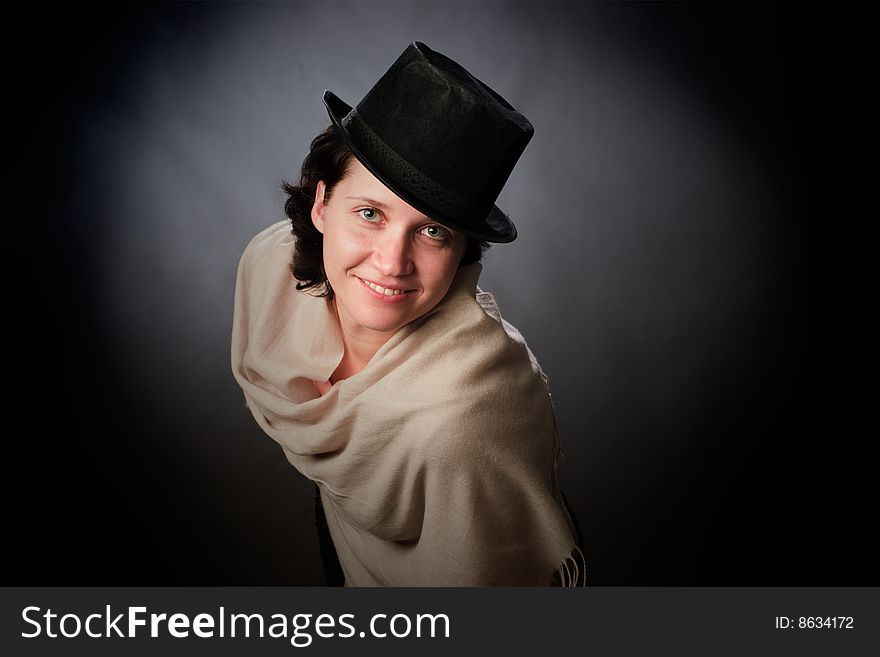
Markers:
<point>385,293</point>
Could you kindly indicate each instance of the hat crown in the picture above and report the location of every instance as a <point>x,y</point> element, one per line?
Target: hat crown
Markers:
<point>447,123</point>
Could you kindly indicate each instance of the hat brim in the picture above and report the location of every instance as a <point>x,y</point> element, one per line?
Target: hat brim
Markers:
<point>380,160</point>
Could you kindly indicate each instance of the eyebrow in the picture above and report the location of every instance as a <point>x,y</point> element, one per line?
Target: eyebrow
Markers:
<point>371,201</point>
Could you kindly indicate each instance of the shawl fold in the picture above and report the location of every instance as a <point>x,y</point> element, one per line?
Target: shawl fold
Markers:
<point>436,463</point>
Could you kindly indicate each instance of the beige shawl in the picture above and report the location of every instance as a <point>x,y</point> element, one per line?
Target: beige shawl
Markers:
<point>436,463</point>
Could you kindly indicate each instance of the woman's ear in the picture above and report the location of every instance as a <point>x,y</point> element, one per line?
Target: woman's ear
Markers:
<point>318,207</point>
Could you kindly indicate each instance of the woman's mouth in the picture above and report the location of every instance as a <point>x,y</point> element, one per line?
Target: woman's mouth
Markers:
<point>388,293</point>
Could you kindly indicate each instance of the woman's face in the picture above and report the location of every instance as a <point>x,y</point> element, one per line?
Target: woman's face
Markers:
<point>388,263</point>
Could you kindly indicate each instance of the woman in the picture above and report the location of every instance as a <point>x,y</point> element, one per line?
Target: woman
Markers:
<point>372,358</point>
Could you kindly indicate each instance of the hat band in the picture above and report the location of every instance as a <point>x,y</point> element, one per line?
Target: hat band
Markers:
<point>427,195</point>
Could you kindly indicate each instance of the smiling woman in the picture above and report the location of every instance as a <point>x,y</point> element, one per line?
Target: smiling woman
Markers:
<point>366,350</point>
<point>387,263</point>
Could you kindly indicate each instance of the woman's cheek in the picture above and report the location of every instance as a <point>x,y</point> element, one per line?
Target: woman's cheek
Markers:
<point>353,241</point>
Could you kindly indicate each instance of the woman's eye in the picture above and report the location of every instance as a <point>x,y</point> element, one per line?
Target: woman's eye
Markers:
<point>435,232</point>
<point>370,214</point>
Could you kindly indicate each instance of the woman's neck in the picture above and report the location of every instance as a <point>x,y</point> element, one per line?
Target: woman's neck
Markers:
<point>352,362</point>
<point>360,346</point>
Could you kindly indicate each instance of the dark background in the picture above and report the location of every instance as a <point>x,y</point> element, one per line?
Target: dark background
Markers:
<point>697,271</point>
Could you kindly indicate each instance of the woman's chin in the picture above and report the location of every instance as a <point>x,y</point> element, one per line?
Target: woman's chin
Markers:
<point>382,322</point>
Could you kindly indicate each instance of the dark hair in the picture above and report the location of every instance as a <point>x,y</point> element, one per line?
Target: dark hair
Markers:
<point>328,160</point>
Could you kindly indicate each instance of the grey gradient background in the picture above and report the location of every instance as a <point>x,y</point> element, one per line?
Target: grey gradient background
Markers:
<point>696,270</point>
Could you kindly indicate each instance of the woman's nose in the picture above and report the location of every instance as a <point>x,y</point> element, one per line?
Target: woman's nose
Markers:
<point>391,255</point>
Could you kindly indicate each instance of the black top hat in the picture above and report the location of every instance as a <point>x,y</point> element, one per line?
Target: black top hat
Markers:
<point>440,139</point>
